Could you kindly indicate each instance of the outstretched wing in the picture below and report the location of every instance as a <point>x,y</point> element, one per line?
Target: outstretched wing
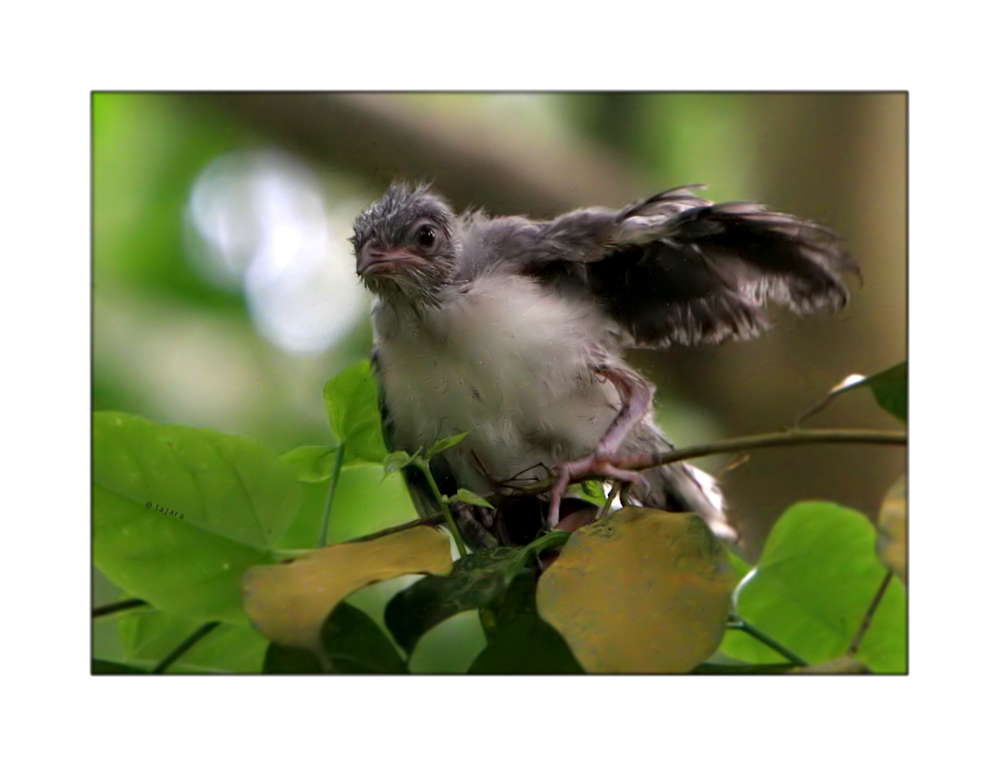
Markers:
<point>678,269</point>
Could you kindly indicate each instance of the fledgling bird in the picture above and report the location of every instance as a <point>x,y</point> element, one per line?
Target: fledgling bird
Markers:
<point>513,329</point>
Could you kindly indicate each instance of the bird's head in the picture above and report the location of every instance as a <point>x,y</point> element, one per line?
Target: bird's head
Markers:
<point>405,244</point>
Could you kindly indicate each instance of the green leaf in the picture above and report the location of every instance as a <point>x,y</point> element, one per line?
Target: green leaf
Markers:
<point>372,599</point>
<point>366,502</point>
<point>740,566</point>
<point>593,491</point>
<point>150,636</point>
<point>743,668</point>
<point>467,496</point>
<point>812,586</point>
<point>396,461</point>
<point>110,667</point>
<point>528,645</point>
<point>311,463</point>
<point>443,444</point>
<point>641,591</point>
<point>888,387</point>
<point>835,666</point>
<point>290,660</point>
<point>519,641</point>
<point>475,580</point>
<point>450,647</point>
<point>517,600</point>
<point>231,498</point>
<point>353,644</point>
<point>351,399</point>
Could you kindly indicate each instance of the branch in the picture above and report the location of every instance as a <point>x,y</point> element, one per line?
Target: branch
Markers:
<point>435,519</point>
<point>776,439</point>
<point>779,439</point>
<point>470,156</point>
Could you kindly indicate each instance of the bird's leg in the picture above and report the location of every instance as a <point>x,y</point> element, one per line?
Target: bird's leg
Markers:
<point>636,399</point>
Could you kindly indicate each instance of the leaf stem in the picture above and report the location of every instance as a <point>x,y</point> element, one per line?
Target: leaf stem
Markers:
<point>741,625</point>
<point>866,621</point>
<point>550,540</point>
<point>184,646</point>
<point>115,607</point>
<point>338,463</point>
<point>443,505</point>
<point>756,441</point>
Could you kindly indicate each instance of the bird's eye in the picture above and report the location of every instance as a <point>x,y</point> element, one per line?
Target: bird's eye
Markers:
<point>425,236</point>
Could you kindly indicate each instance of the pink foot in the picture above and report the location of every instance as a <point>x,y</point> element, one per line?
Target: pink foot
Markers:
<point>574,471</point>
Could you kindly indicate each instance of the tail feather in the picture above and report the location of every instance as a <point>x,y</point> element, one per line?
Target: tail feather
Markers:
<point>677,486</point>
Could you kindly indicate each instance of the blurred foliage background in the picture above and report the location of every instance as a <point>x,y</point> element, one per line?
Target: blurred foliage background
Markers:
<point>224,287</point>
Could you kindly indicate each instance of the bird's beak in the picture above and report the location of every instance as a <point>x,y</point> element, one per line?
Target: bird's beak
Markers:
<point>383,262</point>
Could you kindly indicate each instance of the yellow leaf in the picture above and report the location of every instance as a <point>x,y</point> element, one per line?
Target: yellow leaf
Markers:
<point>891,544</point>
<point>288,603</point>
<point>643,591</point>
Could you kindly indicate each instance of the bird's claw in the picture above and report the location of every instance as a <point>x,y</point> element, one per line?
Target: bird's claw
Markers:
<point>574,471</point>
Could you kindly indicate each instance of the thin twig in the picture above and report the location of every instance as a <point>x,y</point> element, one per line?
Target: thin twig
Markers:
<point>184,646</point>
<point>775,439</point>
<point>733,464</point>
<point>116,607</point>
<point>866,621</point>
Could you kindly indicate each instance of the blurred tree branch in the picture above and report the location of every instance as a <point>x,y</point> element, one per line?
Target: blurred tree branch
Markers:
<point>471,158</point>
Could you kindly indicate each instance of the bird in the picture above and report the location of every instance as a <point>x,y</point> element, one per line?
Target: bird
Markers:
<point>513,330</point>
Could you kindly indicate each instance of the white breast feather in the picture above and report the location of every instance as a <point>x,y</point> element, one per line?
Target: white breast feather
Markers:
<point>508,363</point>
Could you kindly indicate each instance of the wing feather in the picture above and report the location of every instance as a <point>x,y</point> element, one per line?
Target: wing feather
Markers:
<point>677,268</point>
